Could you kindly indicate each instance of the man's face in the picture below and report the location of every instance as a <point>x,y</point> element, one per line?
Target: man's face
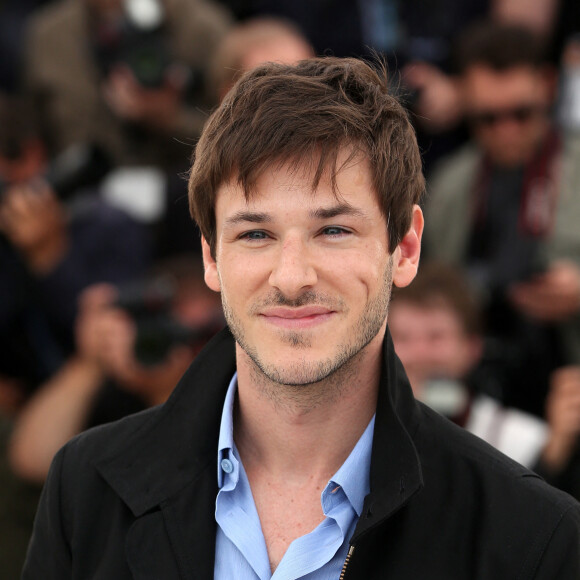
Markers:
<point>305,276</point>
<point>431,342</point>
<point>508,111</point>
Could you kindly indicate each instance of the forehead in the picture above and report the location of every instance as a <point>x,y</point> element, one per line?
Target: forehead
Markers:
<point>291,185</point>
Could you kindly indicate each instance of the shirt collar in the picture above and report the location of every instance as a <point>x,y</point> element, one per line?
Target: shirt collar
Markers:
<point>352,476</point>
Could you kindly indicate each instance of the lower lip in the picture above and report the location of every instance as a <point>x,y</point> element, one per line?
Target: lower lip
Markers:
<point>298,323</point>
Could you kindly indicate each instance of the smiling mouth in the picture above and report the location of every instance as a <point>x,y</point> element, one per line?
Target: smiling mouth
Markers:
<point>297,318</point>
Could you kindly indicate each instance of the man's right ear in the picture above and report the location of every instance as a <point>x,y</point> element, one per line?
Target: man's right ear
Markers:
<point>210,267</point>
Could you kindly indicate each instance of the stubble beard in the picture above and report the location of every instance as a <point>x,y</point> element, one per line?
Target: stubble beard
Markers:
<point>302,375</point>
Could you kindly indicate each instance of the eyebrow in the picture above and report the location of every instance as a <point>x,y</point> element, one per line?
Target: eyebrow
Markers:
<point>320,213</point>
<point>248,216</point>
<point>337,210</point>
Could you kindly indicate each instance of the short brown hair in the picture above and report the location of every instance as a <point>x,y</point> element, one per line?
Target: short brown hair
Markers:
<point>280,113</point>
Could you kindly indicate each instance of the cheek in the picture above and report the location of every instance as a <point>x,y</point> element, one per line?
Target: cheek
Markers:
<point>369,267</point>
<point>237,277</point>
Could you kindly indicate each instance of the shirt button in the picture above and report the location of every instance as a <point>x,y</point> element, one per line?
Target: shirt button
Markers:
<point>227,465</point>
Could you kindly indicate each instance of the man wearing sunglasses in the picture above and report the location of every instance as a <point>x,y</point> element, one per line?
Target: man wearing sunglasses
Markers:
<point>504,207</point>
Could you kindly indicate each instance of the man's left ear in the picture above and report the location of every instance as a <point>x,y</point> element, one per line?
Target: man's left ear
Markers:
<point>407,253</point>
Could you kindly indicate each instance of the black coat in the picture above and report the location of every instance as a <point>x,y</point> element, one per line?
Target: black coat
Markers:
<point>136,498</point>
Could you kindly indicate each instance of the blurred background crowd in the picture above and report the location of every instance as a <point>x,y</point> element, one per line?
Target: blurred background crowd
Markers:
<point>102,299</point>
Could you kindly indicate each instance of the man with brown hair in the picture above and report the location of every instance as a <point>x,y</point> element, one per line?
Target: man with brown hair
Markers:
<point>293,447</point>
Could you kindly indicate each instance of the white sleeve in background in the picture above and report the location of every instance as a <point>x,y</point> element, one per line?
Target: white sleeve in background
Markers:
<point>519,435</point>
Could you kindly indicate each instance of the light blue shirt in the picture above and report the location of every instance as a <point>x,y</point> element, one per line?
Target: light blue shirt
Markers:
<point>240,546</point>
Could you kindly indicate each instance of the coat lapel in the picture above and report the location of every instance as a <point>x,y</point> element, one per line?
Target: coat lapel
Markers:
<point>178,540</point>
<point>166,472</point>
<point>396,473</point>
<point>148,549</point>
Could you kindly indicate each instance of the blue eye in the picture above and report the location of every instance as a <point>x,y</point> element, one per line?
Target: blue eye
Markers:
<point>255,235</point>
<point>334,231</point>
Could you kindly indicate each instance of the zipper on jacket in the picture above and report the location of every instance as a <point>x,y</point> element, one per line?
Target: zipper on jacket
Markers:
<point>346,561</point>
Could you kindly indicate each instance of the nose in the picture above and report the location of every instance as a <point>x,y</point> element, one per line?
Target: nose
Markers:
<point>294,271</point>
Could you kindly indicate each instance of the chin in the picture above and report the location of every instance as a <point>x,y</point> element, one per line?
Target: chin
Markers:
<point>297,372</point>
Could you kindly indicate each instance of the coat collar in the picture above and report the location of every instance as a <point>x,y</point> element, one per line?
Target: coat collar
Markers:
<point>396,473</point>
<point>177,442</point>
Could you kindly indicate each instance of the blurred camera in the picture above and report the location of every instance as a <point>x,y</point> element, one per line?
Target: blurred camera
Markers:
<point>150,303</point>
<point>78,166</point>
<point>144,47</point>
<point>140,43</point>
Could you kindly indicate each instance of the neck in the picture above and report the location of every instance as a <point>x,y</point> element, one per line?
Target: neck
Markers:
<point>293,432</point>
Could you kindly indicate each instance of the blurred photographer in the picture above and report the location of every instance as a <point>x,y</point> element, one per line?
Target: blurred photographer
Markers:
<point>50,250</point>
<point>127,75</point>
<point>504,207</point>
<point>133,343</point>
<point>436,329</point>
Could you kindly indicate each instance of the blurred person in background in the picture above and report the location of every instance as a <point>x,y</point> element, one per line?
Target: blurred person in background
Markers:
<point>505,208</point>
<point>253,42</point>
<point>436,327</point>
<point>127,75</point>
<point>55,240</point>
<point>552,21</point>
<point>133,343</point>
<point>431,76</point>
